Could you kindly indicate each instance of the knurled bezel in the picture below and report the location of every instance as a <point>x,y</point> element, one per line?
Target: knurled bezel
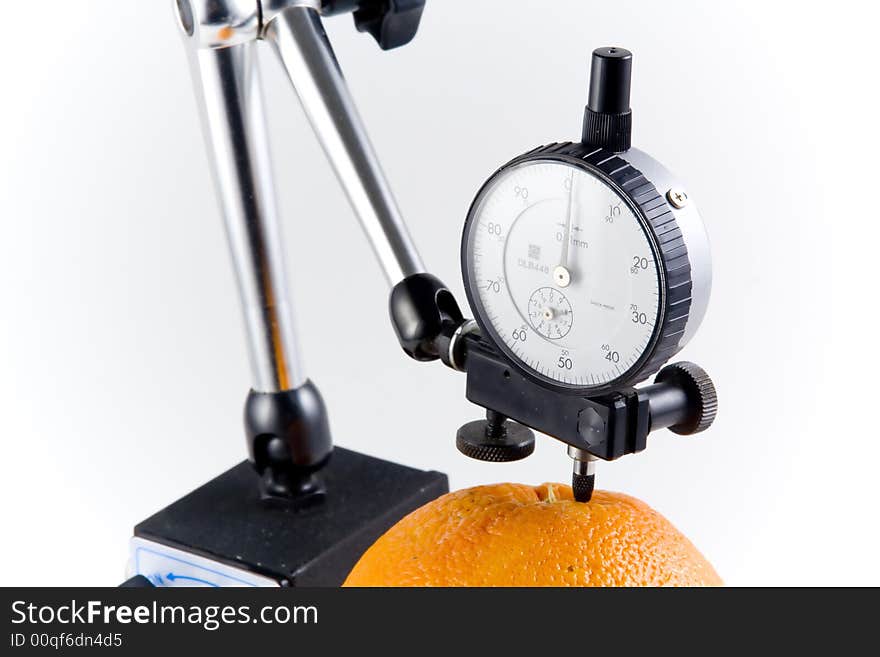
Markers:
<point>675,270</point>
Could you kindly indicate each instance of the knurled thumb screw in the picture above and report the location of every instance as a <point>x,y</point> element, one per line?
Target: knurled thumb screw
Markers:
<point>701,395</point>
<point>495,439</point>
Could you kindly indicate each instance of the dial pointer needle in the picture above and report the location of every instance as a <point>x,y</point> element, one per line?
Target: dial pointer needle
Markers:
<point>561,274</point>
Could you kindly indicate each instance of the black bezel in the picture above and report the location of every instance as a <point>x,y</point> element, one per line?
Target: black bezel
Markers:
<point>653,212</point>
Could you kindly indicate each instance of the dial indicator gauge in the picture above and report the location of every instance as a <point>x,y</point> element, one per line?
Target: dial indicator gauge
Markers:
<point>563,274</point>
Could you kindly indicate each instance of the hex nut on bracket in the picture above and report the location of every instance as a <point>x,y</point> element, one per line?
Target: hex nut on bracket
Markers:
<point>591,427</point>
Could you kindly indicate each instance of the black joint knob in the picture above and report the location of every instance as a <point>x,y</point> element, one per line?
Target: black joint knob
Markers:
<point>393,23</point>
<point>495,439</point>
<point>425,316</point>
<point>608,117</point>
<point>288,441</point>
<point>702,398</point>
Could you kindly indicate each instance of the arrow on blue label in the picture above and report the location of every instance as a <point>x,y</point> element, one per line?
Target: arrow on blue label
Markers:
<point>171,577</point>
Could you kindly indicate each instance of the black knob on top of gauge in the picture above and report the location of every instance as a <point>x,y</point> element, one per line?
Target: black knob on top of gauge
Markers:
<point>608,117</point>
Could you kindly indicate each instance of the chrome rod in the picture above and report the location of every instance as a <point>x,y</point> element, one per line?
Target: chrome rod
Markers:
<point>231,102</point>
<point>306,53</point>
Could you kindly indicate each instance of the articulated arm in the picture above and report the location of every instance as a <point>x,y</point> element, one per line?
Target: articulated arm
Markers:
<point>302,45</point>
<point>423,311</point>
<point>285,418</point>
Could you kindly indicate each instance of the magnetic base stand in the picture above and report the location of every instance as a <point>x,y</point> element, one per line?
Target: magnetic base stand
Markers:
<point>227,521</point>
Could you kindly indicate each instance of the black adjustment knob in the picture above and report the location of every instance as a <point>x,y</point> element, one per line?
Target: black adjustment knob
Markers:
<point>495,439</point>
<point>702,399</point>
<point>608,117</point>
<point>393,23</point>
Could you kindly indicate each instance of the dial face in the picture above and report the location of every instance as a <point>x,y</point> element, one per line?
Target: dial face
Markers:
<point>563,274</point>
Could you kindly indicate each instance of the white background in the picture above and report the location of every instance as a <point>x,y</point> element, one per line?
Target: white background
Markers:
<point>122,360</point>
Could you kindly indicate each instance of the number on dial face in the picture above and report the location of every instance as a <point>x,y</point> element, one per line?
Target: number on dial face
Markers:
<point>563,273</point>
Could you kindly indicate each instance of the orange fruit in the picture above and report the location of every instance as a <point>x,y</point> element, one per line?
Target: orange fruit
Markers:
<point>515,535</point>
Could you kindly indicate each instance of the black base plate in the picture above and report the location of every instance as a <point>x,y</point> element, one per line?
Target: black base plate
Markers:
<point>227,521</point>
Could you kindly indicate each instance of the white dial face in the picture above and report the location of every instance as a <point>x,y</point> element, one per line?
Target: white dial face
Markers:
<point>564,273</point>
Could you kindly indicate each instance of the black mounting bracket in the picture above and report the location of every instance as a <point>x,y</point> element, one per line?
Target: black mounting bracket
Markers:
<point>606,427</point>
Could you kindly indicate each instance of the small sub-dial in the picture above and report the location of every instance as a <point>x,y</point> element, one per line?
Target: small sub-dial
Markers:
<point>550,313</point>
